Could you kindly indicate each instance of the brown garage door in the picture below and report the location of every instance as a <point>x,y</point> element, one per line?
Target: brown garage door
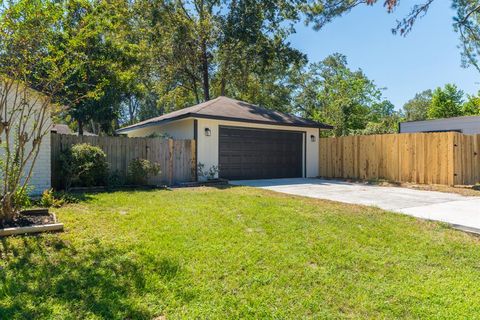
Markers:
<point>246,153</point>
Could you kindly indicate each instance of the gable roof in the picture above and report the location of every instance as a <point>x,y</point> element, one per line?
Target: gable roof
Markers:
<point>224,108</point>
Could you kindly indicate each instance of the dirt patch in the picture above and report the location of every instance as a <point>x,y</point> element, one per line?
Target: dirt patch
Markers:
<point>468,191</point>
<point>26,220</point>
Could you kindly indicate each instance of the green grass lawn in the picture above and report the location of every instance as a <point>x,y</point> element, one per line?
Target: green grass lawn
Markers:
<point>238,253</point>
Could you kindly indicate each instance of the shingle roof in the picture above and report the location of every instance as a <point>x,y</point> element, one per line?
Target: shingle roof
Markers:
<point>64,129</point>
<point>224,108</point>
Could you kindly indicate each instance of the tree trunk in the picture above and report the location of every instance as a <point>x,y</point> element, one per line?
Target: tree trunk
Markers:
<point>195,90</point>
<point>80,127</point>
<point>222,86</point>
<point>206,84</point>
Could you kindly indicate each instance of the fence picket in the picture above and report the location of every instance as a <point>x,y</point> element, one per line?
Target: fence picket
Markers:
<point>121,151</point>
<point>447,158</point>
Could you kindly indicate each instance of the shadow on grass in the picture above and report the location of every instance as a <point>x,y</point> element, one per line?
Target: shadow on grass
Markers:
<point>42,277</point>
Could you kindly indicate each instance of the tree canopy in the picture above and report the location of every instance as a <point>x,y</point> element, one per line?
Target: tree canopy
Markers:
<point>122,61</point>
<point>347,99</point>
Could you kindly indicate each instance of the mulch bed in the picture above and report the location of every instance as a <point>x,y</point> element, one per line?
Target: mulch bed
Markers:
<point>31,218</point>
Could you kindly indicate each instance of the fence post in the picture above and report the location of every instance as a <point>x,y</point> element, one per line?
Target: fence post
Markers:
<point>170,161</point>
<point>193,152</point>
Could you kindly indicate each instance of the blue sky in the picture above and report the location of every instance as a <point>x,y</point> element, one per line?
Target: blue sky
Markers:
<point>427,58</point>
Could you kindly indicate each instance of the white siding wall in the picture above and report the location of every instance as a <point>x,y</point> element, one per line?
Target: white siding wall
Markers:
<point>41,174</point>
<point>467,125</point>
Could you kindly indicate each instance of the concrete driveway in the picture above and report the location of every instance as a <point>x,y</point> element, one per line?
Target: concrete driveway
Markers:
<point>460,211</point>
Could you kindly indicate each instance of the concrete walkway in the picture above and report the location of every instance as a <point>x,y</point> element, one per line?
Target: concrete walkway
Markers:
<point>460,211</point>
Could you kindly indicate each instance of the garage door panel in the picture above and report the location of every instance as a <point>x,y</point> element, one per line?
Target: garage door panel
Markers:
<point>259,154</point>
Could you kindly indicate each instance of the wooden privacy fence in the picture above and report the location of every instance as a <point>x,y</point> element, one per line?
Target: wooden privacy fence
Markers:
<point>176,157</point>
<point>447,158</point>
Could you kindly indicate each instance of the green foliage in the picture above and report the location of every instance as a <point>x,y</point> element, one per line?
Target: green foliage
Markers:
<point>417,108</point>
<point>115,179</point>
<point>48,200</point>
<point>56,199</point>
<point>446,102</point>
<point>84,165</point>
<point>472,106</point>
<point>346,99</point>
<point>207,174</point>
<point>140,170</point>
<point>21,198</point>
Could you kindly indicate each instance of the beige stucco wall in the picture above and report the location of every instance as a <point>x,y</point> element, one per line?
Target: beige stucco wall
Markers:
<point>207,146</point>
<point>181,129</point>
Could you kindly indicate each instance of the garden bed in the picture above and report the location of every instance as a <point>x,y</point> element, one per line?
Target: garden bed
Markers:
<point>31,221</point>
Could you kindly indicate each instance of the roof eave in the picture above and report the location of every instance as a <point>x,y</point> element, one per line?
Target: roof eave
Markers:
<point>152,123</point>
<point>233,119</point>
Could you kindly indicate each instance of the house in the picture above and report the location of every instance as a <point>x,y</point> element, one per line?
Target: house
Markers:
<point>241,140</point>
<point>466,125</point>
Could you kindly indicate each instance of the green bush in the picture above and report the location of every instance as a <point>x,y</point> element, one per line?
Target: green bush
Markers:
<point>48,200</point>
<point>54,199</point>
<point>115,179</point>
<point>84,165</point>
<point>139,170</point>
<point>21,198</point>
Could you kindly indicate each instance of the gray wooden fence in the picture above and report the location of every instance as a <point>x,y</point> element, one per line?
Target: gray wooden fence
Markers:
<point>176,157</point>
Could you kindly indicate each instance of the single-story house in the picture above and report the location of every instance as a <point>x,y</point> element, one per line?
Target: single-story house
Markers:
<point>242,140</point>
<point>465,124</point>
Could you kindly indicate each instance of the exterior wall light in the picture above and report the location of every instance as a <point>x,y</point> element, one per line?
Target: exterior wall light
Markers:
<point>312,138</point>
<point>208,132</point>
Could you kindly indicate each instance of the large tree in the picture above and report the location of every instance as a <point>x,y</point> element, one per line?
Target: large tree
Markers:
<point>471,107</point>
<point>110,61</point>
<point>446,102</point>
<point>210,48</point>
<point>333,93</point>
<point>417,107</point>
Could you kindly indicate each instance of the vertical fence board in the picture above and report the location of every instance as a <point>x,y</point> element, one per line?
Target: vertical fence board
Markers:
<point>447,158</point>
<point>121,151</point>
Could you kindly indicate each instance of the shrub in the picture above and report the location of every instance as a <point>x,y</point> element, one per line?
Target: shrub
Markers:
<point>205,174</point>
<point>21,198</point>
<point>115,179</point>
<point>54,199</point>
<point>48,200</point>
<point>84,165</point>
<point>139,170</point>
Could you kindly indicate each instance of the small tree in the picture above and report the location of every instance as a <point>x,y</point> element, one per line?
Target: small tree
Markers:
<point>24,122</point>
<point>32,69</point>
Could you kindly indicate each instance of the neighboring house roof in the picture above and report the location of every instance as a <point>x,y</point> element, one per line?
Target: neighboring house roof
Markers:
<point>61,129</point>
<point>65,129</point>
<point>223,108</point>
<point>460,118</point>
